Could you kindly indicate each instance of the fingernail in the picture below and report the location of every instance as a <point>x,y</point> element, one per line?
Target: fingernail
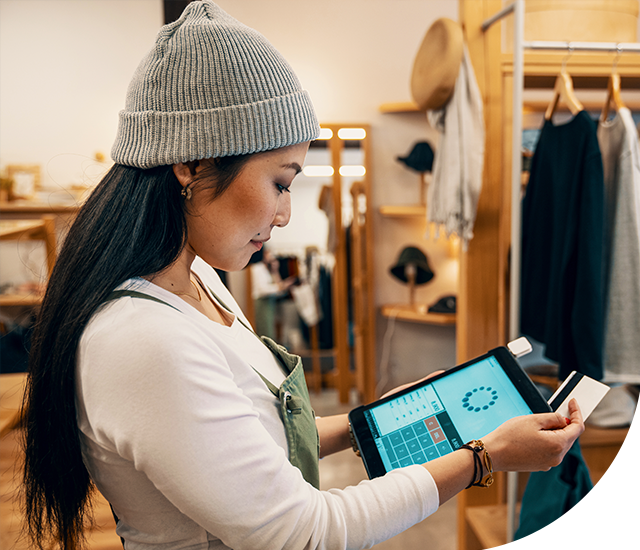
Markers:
<point>568,420</point>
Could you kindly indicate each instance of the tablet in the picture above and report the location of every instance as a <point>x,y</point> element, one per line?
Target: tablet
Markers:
<point>435,417</point>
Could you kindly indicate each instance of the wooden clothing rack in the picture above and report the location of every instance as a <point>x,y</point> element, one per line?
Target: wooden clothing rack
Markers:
<point>489,293</point>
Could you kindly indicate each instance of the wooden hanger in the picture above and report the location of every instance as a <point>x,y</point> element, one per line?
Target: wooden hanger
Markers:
<point>613,94</point>
<point>563,89</point>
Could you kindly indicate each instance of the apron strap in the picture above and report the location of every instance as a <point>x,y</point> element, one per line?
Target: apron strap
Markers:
<point>272,387</point>
<point>135,294</point>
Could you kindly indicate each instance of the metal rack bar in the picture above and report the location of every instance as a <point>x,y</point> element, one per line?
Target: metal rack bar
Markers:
<point>620,47</point>
<point>498,16</point>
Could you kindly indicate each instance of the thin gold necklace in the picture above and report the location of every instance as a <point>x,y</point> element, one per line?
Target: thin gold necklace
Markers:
<point>199,298</point>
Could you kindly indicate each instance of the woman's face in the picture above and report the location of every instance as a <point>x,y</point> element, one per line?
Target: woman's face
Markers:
<point>227,231</point>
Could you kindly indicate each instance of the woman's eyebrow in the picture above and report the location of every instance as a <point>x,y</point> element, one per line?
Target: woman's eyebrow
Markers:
<point>293,166</point>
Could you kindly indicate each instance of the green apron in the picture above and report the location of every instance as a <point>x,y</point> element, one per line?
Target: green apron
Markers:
<point>297,415</point>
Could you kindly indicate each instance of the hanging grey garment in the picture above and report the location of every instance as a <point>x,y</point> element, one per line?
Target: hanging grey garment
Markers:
<point>618,142</point>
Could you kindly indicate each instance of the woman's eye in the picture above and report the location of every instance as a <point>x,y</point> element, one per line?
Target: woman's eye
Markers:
<point>282,188</point>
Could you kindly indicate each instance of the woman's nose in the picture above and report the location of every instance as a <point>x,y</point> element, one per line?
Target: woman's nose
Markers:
<point>283,212</point>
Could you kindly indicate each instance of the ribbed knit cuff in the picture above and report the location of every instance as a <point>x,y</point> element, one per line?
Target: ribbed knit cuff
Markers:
<point>152,138</point>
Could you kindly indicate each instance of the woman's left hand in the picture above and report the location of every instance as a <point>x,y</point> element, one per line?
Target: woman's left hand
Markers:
<point>404,386</point>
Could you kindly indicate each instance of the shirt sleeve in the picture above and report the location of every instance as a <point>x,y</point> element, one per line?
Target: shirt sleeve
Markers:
<point>169,405</point>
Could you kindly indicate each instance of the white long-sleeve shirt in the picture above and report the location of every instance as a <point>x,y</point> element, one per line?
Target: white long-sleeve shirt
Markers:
<point>185,440</point>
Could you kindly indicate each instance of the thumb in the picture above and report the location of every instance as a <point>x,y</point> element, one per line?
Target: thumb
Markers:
<point>551,421</point>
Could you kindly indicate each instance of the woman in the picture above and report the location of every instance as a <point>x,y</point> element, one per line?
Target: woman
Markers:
<point>145,379</point>
<point>266,287</point>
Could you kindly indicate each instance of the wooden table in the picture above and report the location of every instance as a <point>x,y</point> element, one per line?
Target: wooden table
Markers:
<point>29,207</point>
<point>16,229</point>
<point>63,213</point>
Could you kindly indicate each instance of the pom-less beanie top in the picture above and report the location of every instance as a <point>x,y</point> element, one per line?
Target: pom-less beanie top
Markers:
<point>210,87</point>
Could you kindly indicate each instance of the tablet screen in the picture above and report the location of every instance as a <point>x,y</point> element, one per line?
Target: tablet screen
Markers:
<point>438,418</point>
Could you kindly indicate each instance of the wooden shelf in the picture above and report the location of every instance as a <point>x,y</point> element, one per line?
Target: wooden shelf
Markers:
<point>399,107</point>
<point>405,312</point>
<point>404,211</point>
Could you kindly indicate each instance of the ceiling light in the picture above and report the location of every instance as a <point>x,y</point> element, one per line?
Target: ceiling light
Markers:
<point>352,133</point>
<point>313,171</point>
<point>352,171</point>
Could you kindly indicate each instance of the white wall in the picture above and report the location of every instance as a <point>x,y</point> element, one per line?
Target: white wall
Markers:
<point>65,66</point>
<point>64,70</point>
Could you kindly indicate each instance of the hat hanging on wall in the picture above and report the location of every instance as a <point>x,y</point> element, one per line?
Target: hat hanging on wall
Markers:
<point>436,65</point>
<point>412,268</point>
<point>420,159</point>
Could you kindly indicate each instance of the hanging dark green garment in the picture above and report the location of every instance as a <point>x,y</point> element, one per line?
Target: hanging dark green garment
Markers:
<point>551,494</point>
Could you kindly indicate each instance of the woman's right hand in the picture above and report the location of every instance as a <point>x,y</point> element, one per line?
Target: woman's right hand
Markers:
<point>534,442</point>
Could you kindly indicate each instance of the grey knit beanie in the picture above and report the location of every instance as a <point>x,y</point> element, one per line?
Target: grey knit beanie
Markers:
<point>210,87</point>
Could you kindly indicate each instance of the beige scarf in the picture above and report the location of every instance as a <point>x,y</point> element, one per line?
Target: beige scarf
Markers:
<point>452,197</point>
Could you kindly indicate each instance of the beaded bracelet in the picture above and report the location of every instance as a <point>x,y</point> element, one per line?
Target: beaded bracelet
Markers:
<point>354,444</point>
<point>477,446</point>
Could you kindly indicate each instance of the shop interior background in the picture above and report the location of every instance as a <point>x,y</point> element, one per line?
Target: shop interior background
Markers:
<point>64,70</point>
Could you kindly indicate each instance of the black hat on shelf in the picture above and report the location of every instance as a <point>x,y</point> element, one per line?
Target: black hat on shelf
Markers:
<point>420,158</point>
<point>446,304</point>
<point>415,256</point>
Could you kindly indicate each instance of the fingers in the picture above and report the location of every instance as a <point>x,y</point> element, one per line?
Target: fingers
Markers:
<point>576,423</point>
<point>574,412</point>
<point>551,421</point>
<point>555,421</point>
<point>535,442</point>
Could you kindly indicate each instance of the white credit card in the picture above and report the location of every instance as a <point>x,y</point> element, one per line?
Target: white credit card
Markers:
<point>587,392</point>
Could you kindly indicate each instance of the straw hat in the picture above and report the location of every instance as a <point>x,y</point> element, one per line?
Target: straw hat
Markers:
<point>437,64</point>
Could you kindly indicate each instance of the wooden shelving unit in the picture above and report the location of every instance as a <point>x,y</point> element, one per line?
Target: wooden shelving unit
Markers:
<point>484,286</point>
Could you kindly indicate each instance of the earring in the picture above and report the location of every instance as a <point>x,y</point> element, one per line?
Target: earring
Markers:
<point>186,192</point>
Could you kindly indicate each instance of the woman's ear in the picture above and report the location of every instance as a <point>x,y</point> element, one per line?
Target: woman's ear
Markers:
<point>185,171</point>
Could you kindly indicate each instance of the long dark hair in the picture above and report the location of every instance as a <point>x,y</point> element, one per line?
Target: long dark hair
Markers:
<point>133,224</point>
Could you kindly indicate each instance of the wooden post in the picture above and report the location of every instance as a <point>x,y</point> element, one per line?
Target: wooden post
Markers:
<point>316,367</point>
<point>339,280</point>
<point>481,320</point>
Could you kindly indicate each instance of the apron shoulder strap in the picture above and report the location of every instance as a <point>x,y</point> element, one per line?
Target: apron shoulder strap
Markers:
<point>272,387</point>
<point>225,306</point>
<point>135,294</point>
